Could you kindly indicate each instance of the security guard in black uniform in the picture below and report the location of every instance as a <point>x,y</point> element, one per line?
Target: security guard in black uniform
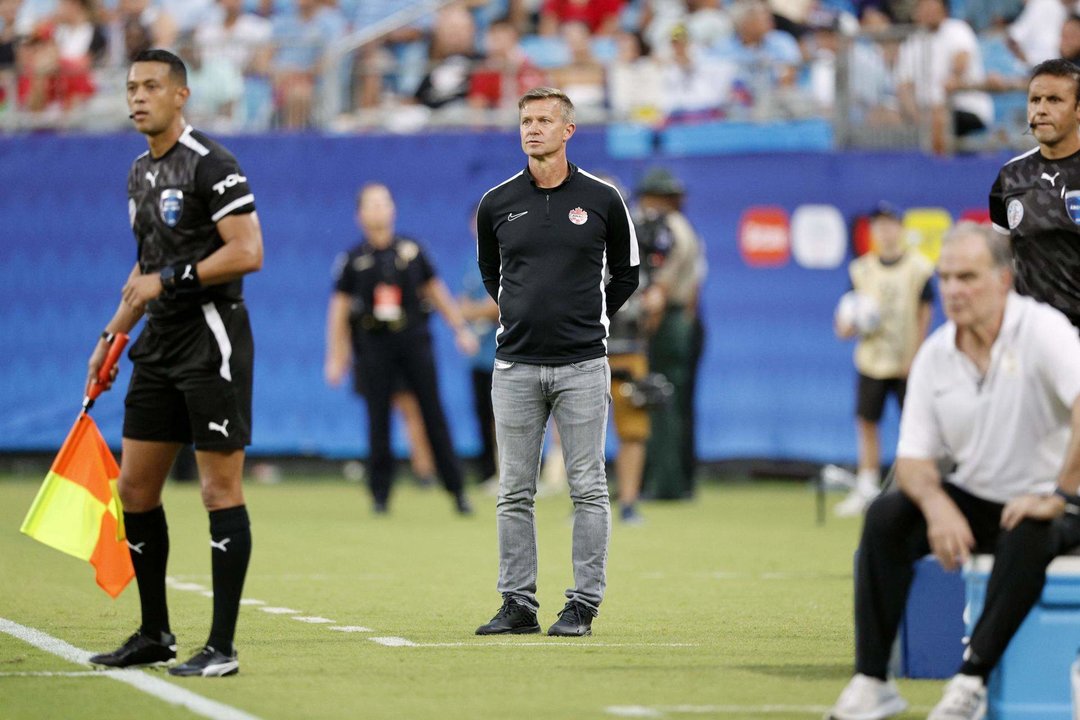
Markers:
<point>376,318</point>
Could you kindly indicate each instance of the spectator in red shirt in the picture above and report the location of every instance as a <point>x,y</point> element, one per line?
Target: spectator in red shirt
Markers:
<point>600,16</point>
<point>506,73</point>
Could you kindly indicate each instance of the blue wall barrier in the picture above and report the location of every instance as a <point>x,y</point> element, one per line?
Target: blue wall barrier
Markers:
<point>774,383</point>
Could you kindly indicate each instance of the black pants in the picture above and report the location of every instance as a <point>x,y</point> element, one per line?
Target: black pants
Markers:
<point>485,416</point>
<point>379,357</point>
<point>894,537</point>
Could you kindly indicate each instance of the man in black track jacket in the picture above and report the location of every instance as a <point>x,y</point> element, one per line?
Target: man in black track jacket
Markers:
<point>558,253</point>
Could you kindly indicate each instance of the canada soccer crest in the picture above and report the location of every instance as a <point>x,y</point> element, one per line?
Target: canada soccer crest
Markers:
<point>171,205</point>
<point>578,216</point>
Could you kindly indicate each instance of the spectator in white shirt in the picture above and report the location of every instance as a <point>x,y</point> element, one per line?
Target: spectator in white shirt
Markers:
<point>935,67</point>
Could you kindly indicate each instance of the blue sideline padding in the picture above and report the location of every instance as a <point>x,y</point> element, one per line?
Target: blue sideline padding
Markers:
<point>774,382</point>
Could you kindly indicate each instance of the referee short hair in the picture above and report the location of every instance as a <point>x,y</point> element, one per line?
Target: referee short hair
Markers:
<point>996,243</point>
<point>549,93</point>
<point>176,66</point>
<point>1059,67</point>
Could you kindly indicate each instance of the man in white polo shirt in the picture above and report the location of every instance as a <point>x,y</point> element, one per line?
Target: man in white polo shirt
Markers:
<point>997,391</point>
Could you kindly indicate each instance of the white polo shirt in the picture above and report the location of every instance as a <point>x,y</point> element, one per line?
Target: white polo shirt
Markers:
<point>1006,431</point>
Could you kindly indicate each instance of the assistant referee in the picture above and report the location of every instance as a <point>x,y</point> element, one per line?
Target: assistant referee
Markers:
<point>193,216</point>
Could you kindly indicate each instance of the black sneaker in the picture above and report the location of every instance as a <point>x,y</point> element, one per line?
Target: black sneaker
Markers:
<point>139,649</point>
<point>513,618</point>
<point>208,662</point>
<point>575,620</point>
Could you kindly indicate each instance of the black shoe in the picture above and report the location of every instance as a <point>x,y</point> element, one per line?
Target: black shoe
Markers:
<point>575,620</point>
<point>139,649</point>
<point>513,618</point>
<point>462,504</point>
<point>208,662</point>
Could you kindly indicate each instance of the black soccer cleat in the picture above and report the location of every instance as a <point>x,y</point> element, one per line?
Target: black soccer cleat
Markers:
<point>139,649</point>
<point>462,504</point>
<point>575,620</point>
<point>208,662</point>
<point>513,618</point>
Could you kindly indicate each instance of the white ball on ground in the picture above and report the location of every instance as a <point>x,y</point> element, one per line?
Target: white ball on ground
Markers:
<point>859,311</point>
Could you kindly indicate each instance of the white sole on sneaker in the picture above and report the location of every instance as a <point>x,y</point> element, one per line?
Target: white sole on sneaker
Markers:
<point>893,706</point>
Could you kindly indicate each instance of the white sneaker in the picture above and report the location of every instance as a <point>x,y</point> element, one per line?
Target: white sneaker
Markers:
<point>867,698</point>
<point>964,699</point>
<point>835,477</point>
<point>854,504</point>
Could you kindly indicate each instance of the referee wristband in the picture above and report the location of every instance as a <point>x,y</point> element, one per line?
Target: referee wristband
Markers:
<point>1072,502</point>
<point>182,276</point>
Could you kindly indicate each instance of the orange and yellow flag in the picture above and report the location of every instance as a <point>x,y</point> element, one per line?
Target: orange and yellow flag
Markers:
<point>77,510</point>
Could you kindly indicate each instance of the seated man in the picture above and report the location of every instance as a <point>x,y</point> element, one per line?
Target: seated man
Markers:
<point>996,389</point>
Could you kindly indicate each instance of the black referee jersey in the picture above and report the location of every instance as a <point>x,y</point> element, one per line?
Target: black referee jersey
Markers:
<point>1037,203</point>
<point>544,254</point>
<point>174,204</point>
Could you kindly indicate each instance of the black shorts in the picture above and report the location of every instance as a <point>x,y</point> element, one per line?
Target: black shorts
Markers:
<point>871,394</point>
<point>191,381</point>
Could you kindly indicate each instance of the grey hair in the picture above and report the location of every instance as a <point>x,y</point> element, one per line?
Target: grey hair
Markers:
<point>549,93</point>
<point>996,243</point>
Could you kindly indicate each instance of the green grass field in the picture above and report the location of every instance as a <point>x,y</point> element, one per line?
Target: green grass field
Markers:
<point>735,605</point>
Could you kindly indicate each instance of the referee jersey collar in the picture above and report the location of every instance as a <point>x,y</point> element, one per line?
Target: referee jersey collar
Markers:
<point>572,171</point>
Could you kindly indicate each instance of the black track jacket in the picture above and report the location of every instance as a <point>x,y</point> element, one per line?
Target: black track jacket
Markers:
<point>545,255</point>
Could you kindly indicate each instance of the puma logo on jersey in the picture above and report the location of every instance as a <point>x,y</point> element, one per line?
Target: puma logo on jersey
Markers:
<point>152,177</point>
<point>514,216</point>
<point>220,545</point>
<point>228,182</point>
<point>136,548</point>
<point>1051,179</point>
<point>222,428</point>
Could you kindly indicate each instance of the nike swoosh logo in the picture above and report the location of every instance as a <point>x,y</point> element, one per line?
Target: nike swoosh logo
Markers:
<point>514,216</point>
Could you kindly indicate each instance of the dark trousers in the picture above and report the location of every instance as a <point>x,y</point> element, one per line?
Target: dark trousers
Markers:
<point>485,417</point>
<point>379,357</point>
<point>894,537</point>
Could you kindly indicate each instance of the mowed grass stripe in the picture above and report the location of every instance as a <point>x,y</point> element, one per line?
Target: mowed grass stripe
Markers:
<point>427,576</point>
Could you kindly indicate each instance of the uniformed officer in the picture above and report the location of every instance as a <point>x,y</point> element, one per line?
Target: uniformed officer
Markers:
<point>376,320</point>
<point>193,216</point>
<point>1036,196</point>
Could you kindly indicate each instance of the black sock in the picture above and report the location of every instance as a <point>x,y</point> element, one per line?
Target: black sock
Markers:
<point>148,543</point>
<point>230,550</point>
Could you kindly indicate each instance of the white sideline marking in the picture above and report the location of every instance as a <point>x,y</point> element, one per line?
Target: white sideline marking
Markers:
<point>139,680</point>
<point>659,711</point>
<point>184,586</point>
<point>207,593</point>
<point>350,628</point>
<point>280,611</point>
<point>313,619</point>
<point>53,673</point>
<point>251,601</point>
<point>557,644</point>
<point>394,641</point>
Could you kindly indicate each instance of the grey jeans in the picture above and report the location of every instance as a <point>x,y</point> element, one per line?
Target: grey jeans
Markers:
<point>578,396</point>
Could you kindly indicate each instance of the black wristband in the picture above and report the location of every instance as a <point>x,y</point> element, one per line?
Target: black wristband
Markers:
<point>182,276</point>
<point>107,336</point>
<point>1072,502</point>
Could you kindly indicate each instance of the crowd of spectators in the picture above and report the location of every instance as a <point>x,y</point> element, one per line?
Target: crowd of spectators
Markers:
<point>262,64</point>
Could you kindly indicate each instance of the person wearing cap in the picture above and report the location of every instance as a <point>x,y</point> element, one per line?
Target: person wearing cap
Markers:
<point>898,280</point>
<point>672,261</point>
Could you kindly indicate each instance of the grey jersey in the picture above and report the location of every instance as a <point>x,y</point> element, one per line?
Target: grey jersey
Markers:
<point>1037,202</point>
<point>174,204</point>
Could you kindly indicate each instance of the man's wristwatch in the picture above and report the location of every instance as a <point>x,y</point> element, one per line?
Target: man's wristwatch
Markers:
<point>1072,502</point>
